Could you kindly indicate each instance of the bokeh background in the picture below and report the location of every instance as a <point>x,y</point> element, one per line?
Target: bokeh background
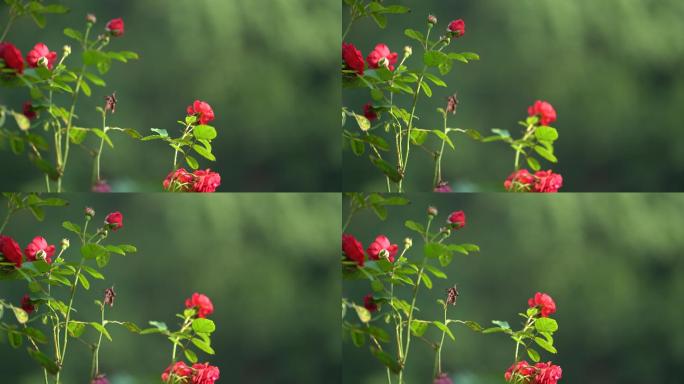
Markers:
<point>613,263</point>
<point>612,69</point>
<point>264,259</point>
<point>268,68</point>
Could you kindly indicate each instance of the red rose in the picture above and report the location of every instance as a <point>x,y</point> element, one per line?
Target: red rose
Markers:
<point>114,221</point>
<point>205,374</point>
<point>39,51</point>
<point>201,303</point>
<point>12,57</point>
<point>458,218</point>
<point>443,378</point>
<point>39,244</point>
<point>544,110</point>
<point>178,370</point>
<point>457,27</point>
<point>381,247</point>
<point>179,180</point>
<point>353,249</point>
<point>369,112</point>
<point>26,304</point>
<point>369,303</point>
<point>206,181</point>
<point>28,111</point>
<point>380,52</point>
<point>548,182</point>
<point>115,27</point>
<point>544,302</point>
<point>519,369</point>
<point>353,58</point>
<point>11,250</point>
<point>520,180</point>
<point>547,373</point>
<point>202,110</point>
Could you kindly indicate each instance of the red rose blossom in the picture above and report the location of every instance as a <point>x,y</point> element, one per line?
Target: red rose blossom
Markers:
<point>443,378</point>
<point>39,244</point>
<point>544,110</point>
<point>548,182</point>
<point>382,51</point>
<point>353,58</point>
<point>206,181</point>
<point>39,51</point>
<point>205,374</point>
<point>519,369</point>
<point>544,302</point>
<point>202,303</point>
<point>369,303</point>
<point>28,111</point>
<point>179,180</point>
<point>11,250</point>
<point>457,27</point>
<point>115,27</point>
<point>547,373</point>
<point>353,249</point>
<point>381,247</point>
<point>369,112</point>
<point>520,180</point>
<point>12,57</point>
<point>26,304</point>
<point>114,221</point>
<point>179,370</point>
<point>202,110</point>
<point>458,218</point>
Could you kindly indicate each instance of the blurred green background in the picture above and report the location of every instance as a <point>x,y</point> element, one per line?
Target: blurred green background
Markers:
<point>268,68</point>
<point>612,69</point>
<point>264,260</point>
<point>613,263</point>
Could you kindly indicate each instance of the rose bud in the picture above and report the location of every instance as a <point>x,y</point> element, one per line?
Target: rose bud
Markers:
<point>408,51</point>
<point>432,20</point>
<point>90,213</point>
<point>408,243</point>
<point>432,211</point>
<point>65,244</point>
<point>457,219</point>
<point>115,27</point>
<point>114,221</point>
<point>91,18</point>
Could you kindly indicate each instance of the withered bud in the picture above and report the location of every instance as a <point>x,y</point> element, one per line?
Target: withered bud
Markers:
<point>91,18</point>
<point>432,211</point>
<point>109,296</point>
<point>90,213</point>
<point>110,103</point>
<point>452,103</point>
<point>452,295</point>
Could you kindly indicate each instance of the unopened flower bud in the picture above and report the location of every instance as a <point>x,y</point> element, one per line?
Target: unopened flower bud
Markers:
<point>91,18</point>
<point>432,20</point>
<point>65,243</point>
<point>90,213</point>
<point>408,51</point>
<point>408,243</point>
<point>66,50</point>
<point>43,62</point>
<point>432,211</point>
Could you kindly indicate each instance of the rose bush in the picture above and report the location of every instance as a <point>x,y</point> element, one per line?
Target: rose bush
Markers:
<point>387,320</point>
<point>48,124</point>
<point>386,127</point>
<point>45,319</point>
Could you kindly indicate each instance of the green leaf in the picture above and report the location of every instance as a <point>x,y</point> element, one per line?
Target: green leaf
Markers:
<point>76,329</point>
<point>426,280</point>
<point>202,345</point>
<point>435,58</point>
<point>44,361</point>
<point>436,272</point>
<point>415,35</point>
<point>418,136</point>
<point>101,329</point>
<point>378,142</point>
<point>78,135</point>
<point>546,324</point>
<point>74,34</point>
<point>95,79</point>
<point>204,132</point>
<point>444,328</point>
<point>444,137</point>
<point>363,123</point>
<point>501,324</point>
<point>21,315</point>
<point>102,260</point>
<point>93,272</point>
<point>22,121</point>
<point>93,251</point>
<point>533,354</point>
<point>386,359</point>
<point>363,314</point>
<point>201,325</point>
<point>414,226</point>
<point>545,133</point>
<point>426,89</point>
<point>435,250</point>
<point>204,152</point>
<point>128,248</point>
<point>161,132</point>
<point>192,162</point>
<point>419,327</point>
<point>190,355</point>
<point>386,168</point>
<point>102,135</point>
<point>357,146</point>
<point>358,337</point>
<point>435,80</point>
<point>84,281</point>
<point>533,163</point>
<point>545,153</point>
<point>85,88</point>
<point>545,344</point>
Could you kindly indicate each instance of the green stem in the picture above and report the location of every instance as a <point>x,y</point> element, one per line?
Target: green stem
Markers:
<point>438,162</point>
<point>528,324</point>
<point>7,219</point>
<point>346,31</point>
<point>13,16</point>
<point>530,130</point>
<point>96,171</point>
<point>185,326</point>
<point>96,353</point>
<point>441,343</point>
<point>186,131</point>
